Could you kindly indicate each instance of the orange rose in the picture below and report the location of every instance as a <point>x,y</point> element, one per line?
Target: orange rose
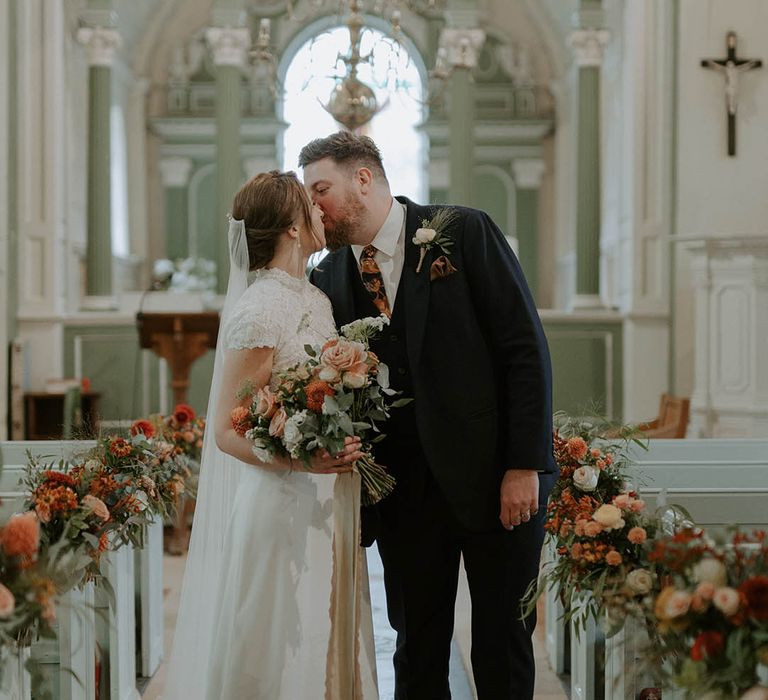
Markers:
<point>613,558</point>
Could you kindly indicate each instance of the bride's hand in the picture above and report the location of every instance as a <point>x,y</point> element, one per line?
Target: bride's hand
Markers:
<point>324,463</point>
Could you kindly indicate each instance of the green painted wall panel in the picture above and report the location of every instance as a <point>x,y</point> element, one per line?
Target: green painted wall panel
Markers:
<point>490,195</point>
<point>176,215</point>
<point>206,211</point>
<point>586,365</point>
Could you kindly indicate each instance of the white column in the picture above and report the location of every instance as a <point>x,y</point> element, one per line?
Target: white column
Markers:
<point>638,190</point>
<point>730,395</point>
<point>5,281</point>
<point>136,128</point>
<point>41,184</point>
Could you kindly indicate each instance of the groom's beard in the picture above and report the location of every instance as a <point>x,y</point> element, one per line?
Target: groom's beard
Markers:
<point>347,222</point>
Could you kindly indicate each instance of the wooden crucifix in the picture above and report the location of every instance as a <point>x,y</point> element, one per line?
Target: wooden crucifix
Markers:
<point>730,67</point>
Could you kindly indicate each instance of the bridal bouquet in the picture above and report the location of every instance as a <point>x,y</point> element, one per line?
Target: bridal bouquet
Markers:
<point>711,616</point>
<point>599,528</point>
<point>341,390</point>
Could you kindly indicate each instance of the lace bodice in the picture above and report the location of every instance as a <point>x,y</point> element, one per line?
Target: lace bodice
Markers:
<point>282,312</point>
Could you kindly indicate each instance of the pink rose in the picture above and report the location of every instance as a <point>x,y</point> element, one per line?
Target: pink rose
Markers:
<point>7,602</point>
<point>96,506</point>
<point>592,529</point>
<point>637,535</point>
<point>277,424</point>
<point>726,600</point>
<point>677,604</point>
<point>595,452</point>
<point>702,596</point>
<point>637,506</point>
<point>266,402</point>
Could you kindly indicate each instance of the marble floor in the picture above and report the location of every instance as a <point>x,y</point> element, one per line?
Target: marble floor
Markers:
<point>548,685</point>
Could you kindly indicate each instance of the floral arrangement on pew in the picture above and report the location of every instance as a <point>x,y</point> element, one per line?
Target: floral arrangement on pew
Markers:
<point>102,499</point>
<point>340,390</point>
<point>711,616</point>
<point>29,589</point>
<point>599,527</point>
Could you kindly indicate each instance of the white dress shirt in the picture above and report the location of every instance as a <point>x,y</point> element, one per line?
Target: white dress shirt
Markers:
<point>390,250</point>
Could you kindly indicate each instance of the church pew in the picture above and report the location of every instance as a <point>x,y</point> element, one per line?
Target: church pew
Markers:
<point>115,625</point>
<point>149,599</point>
<point>720,482</point>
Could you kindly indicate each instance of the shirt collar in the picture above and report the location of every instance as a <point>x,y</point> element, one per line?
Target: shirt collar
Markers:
<point>389,234</point>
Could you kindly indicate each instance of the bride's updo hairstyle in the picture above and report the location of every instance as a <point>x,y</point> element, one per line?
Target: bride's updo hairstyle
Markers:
<point>269,204</point>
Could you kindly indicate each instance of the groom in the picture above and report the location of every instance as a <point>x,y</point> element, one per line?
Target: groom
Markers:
<point>472,453</point>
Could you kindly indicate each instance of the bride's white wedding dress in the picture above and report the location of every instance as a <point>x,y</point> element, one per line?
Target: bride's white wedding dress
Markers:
<point>291,614</point>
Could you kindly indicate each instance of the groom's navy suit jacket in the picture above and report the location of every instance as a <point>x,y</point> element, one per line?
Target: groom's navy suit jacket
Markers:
<point>479,362</point>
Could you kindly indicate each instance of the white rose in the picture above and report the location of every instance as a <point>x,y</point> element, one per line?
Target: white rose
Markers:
<point>259,448</point>
<point>609,516</point>
<point>292,436</point>
<point>424,235</point>
<point>710,571</point>
<point>726,600</point>
<point>328,374</point>
<point>586,478</point>
<point>640,581</point>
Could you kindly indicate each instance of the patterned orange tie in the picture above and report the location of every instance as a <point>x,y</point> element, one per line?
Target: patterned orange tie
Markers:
<point>373,281</point>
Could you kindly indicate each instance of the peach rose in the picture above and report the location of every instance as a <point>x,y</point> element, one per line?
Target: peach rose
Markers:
<point>21,535</point>
<point>266,402</point>
<point>96,506</point>
<point>702,596</point>
<point>726,600</point>
<point>613,558</point>
<point>577,448</point>
<point>7,602</point>
<point>622,501</point>
<point>637,506</point>
<point>593,529</point>
<point>356,377</point>
<point>710,570</point>
<point>277,424</point>
<point>637,535</point>
<point>595,452</point>
<point>609,516</point>
<point>343,355</point>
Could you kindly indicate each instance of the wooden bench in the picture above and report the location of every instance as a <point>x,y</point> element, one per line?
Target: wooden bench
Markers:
<point>133,574</point>
<point>672,421</point>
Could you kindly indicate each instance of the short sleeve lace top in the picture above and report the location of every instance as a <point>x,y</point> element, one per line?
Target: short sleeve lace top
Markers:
<point>282,312</point>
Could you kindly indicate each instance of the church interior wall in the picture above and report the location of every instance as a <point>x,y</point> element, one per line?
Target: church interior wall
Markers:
<point>7,311</point>
<point>718,196</point>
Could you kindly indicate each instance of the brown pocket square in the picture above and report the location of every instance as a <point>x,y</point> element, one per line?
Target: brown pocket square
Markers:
<point>442,267</point>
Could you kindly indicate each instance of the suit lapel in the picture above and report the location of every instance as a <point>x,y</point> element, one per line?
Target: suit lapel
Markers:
<point>415,286</point>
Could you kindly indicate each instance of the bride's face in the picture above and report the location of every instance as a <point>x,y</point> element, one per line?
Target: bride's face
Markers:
<point>317,235</point>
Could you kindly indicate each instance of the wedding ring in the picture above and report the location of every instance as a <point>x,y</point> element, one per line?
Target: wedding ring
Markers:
<point>525,517</point>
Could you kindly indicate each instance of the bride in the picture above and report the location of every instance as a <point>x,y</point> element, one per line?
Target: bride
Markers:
<point>274,604</point>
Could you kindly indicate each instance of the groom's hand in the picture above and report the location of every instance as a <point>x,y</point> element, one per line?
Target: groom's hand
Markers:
<point>519,497</point>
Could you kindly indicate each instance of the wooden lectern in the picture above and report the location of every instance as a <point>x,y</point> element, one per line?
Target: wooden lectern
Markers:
<point>180,339</point>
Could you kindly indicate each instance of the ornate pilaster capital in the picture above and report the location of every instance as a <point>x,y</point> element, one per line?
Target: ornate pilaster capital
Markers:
<point>101,42</point>
<point>528,173</point>
<point>175,170</point>
<point>230,45</point>
<point>588,45</point>
<point>462,46</point>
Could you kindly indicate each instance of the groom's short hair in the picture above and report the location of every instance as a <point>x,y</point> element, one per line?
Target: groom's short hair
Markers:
<point>346,149</point>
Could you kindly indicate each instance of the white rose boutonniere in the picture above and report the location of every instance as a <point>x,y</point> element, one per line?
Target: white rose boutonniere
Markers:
<point>433,233</point>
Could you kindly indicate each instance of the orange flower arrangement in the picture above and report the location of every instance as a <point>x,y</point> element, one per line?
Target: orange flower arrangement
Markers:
<point>143,427</point>
<point>21,536</point>
<point>120,447</point>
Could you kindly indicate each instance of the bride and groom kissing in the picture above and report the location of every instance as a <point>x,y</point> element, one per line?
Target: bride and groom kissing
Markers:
<point>263,613</point>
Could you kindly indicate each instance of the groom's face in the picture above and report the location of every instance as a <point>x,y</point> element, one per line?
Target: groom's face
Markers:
<point>334,189</point>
